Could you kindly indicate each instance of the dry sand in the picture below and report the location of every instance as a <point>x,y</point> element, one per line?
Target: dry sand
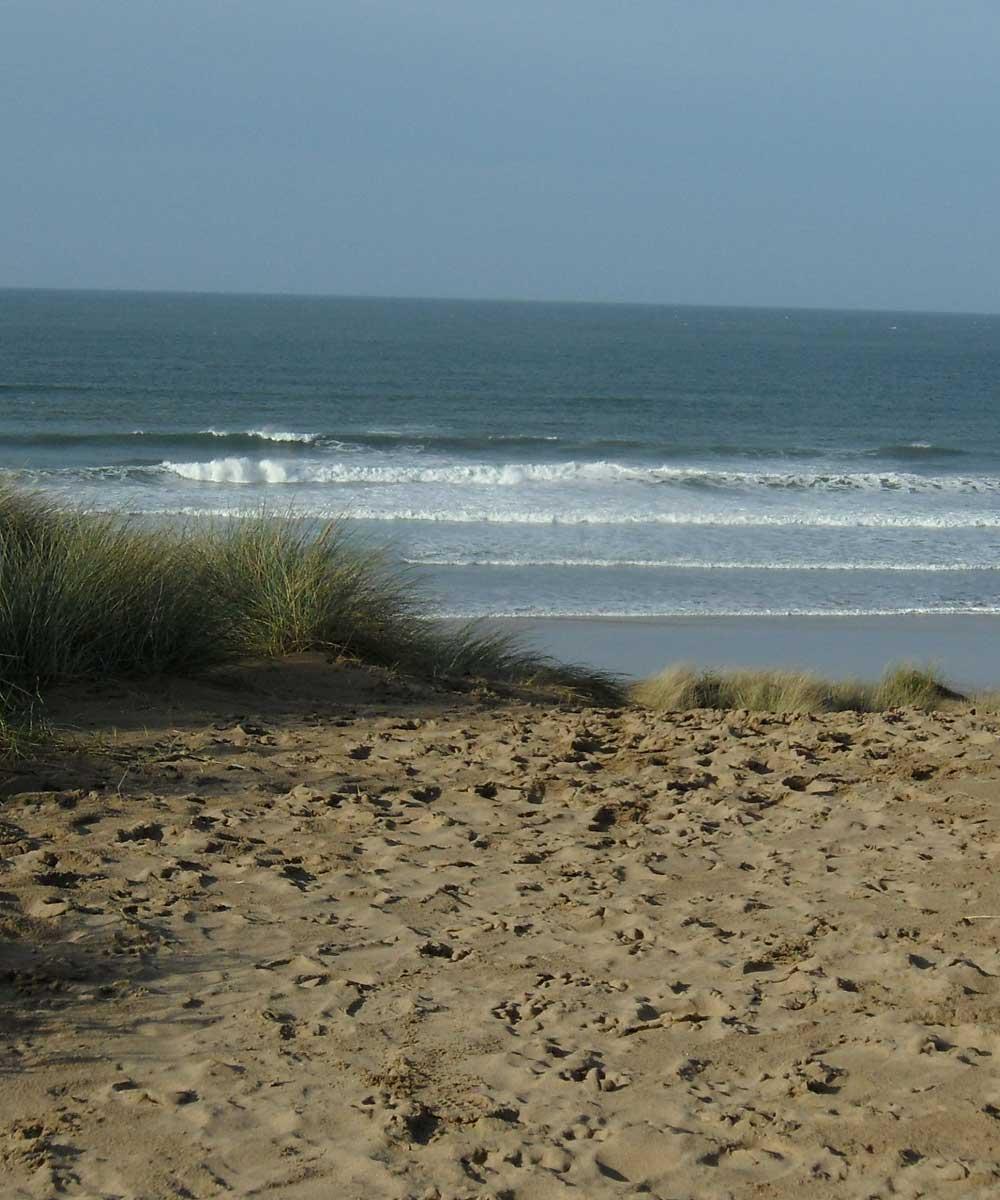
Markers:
<point>314,934</point>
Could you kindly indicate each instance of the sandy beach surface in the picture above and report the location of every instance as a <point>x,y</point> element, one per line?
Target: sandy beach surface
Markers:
<point>307,932</point>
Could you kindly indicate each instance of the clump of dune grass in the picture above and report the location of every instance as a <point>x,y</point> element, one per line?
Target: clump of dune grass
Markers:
<point>20,737</point>
<point>22,731</point>
<point>93,597</point>
<point>87,596</point>
<point>287,586</point>
<point>910,686</point>
<point>27,518</point>
<point>680,688</point>
<point>684,687</point>
<point>284,587</point>
<point>472,650</point>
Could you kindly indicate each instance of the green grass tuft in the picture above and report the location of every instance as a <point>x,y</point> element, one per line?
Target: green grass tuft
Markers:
<point>908,686</point>
<point>477,652</point>
<point>22,732</point>
<point>680,688</point>
<point>88,596</point>
<point>286,587</point>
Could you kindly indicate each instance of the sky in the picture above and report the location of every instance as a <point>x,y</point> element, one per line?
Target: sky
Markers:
<point>748,152</point>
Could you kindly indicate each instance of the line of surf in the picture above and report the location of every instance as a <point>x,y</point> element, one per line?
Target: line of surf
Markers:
<point>699,610</point>
<point>944,521</point>
<point>679,564</point>
<point>275,471</point>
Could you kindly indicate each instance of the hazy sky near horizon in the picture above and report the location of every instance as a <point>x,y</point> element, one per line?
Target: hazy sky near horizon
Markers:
<point>782,152</point>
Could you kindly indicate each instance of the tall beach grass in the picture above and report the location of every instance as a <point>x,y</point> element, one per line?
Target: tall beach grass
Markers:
<point>91,597</point>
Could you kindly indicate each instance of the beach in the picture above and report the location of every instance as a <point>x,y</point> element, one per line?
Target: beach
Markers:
<point>499,602</point>
<point>306,926</point>
<point>309,888</point>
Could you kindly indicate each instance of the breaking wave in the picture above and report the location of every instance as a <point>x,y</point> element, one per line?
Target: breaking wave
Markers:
<point>264,435</point>
<point>247,470</point>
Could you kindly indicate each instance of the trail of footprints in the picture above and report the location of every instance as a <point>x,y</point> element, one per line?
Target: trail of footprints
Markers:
<point>514,953</point>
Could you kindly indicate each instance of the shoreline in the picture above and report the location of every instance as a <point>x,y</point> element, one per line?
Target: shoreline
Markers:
<point>966,647</point>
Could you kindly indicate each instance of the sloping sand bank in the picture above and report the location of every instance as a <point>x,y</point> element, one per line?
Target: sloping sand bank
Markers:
<point>315,934</point>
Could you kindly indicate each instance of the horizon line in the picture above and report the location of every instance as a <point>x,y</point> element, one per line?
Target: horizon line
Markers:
<point>457,299</point>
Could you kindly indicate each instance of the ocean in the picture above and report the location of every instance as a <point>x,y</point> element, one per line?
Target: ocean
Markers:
<point>531,460</point>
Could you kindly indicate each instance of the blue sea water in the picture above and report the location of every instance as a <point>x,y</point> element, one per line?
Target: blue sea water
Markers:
<point>540,459</point>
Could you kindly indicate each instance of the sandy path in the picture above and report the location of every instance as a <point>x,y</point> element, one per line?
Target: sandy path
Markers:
<point>377,945</point>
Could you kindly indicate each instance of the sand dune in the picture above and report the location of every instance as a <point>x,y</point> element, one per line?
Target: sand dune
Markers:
<point>308,933</point>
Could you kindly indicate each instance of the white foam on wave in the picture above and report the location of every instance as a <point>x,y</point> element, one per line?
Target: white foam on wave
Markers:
<point>541,517</point>
<point>231,470</point>
<point>264,435</point>
<point>679,564</point>
<point>860,481</point>
<point>277,471</point>
<point>742,520</point>
<point>700,612</point>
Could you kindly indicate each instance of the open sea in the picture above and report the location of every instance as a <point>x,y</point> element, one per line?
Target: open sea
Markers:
<point>540,459</point>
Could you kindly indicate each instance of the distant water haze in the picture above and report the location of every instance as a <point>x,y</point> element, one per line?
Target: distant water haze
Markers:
<point>528,460</point>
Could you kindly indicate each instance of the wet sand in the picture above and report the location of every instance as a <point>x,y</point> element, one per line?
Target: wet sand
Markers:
<point>308,932</point>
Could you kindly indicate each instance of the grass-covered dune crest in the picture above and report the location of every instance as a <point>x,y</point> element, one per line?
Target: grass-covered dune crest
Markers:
<point>679,688</point>
<point>84,596</point>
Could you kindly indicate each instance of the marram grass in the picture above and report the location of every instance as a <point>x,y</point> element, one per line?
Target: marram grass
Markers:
<point>679,688</point>
<point>22,733</point>
<point>92,597</point>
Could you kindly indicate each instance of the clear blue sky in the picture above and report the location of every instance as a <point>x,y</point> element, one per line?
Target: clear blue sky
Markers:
<point>789,152</point>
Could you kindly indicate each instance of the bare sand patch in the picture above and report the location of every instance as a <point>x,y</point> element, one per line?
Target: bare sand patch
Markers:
<point>308,933</point>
